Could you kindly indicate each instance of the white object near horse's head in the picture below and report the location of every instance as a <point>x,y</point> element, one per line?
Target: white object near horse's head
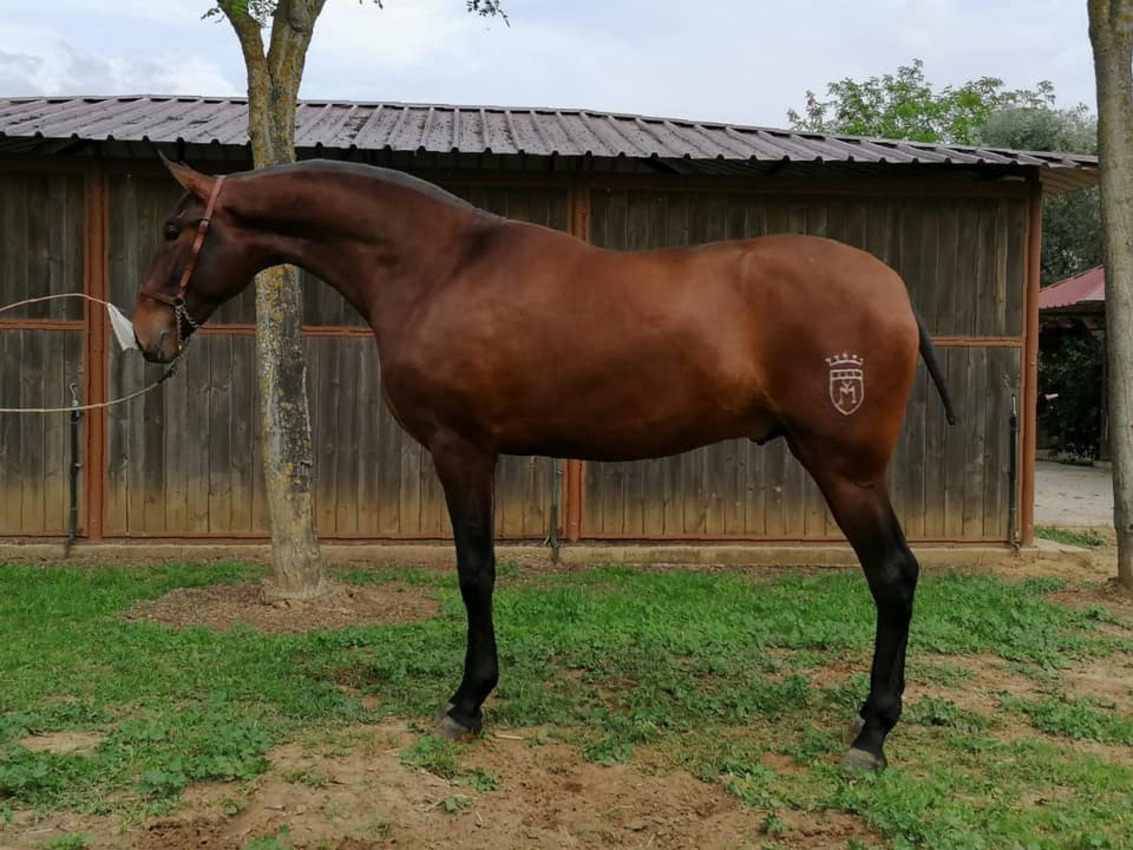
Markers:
<point>123,328</point>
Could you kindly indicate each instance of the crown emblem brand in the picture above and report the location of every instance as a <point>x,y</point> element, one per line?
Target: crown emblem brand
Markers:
<point>844,359</point>
<point>847,382</point>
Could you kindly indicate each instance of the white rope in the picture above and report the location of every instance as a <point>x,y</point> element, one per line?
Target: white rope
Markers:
<point>97,405</point>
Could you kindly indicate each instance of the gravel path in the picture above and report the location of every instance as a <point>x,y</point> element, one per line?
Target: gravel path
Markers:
<point>1073,495</point>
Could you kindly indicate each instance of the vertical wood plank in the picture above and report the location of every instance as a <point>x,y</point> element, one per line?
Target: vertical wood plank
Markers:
<point>932,466</point>
<point>10,393</point>
<point>369,455</point>
<point>135,429</point>
<point>912,472</point>
<point>958,450</point>
<point>1003,381</point>
<point>1016,236</point>
<point>260,519</point>
<point>220,442</point>
<point>198,370</point>
<point>32,358</point>
<point>151,481</point>
<point>975,441</point>
<point>179,412</point>
<point>409,495</point>
<point>346,439</point>
<point>241,427</point>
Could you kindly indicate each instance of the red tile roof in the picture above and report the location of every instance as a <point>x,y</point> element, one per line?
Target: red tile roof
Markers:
<point>1086,286</point>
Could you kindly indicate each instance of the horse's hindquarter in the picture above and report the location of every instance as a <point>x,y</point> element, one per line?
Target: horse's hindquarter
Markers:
<point>841,343</point>
<point>561,349</point>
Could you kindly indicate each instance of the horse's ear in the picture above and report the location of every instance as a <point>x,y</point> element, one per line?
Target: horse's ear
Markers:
<point>193,181</point>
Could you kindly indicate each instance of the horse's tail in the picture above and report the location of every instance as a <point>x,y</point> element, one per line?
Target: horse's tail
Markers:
<point>928,352</point>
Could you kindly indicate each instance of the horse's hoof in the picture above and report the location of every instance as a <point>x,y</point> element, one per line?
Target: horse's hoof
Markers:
<point>859,761</point>
<point>449,730</point>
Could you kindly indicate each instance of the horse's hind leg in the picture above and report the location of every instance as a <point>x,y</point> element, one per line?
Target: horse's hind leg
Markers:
<point>859,501</point>
<point>467,476</point>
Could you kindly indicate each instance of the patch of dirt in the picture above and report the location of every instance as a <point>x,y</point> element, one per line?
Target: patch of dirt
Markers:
<point>547,797</point>
<point>1107,594</point>
<point>62,742</point>
<point>223,606</point>
<point>989,677</point>
<point>1109,680</point>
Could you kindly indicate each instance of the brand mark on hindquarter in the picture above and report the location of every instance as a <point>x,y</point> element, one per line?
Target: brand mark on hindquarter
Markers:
<point>847,382</point>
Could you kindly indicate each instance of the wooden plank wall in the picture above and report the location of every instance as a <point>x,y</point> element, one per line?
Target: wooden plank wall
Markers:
<point>184,460</point>
<point>963,260</point>
<point>41,346</point>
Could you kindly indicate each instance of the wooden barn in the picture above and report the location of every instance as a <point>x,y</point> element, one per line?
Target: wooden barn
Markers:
<point>82,195</point>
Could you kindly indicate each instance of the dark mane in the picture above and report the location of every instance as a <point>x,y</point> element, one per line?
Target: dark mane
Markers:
<point>373,172</point>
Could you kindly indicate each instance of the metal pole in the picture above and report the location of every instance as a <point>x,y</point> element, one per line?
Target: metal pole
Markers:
<point>76,468</point>
<point>556,491</point>
<point>1013,474</point>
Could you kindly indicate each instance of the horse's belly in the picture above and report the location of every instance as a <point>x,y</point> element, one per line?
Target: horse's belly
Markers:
<point>619,433</point>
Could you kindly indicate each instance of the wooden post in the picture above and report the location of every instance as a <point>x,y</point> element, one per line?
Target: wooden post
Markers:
<point>1030,370</point>
<point>96,257</point>
<point>575,478</point>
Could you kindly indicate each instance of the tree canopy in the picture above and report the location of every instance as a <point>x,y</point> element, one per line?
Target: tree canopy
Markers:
<point>1072,230</point>
<point>905,105</point>
<point>983,112</point>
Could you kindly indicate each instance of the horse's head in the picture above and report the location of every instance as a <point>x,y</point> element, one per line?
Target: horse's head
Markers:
<point>197,265</point>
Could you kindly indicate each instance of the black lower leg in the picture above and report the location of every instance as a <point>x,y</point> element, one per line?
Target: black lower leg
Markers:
<point>481,665</point>
<point>893,580</point>
<point>467,480</point>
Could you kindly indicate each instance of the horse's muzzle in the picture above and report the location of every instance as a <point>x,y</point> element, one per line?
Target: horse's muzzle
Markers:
<point>164,350</point>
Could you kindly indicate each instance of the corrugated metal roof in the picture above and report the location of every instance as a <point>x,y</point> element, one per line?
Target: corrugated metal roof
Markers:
<point>488,129</point>
<point>1088,286</point>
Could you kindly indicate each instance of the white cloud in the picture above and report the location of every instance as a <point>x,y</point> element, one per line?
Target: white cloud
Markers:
<point>730,60</point>
<point>37,61</point>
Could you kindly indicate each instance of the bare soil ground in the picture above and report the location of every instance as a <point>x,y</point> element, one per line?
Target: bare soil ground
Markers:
<point>353,792</point>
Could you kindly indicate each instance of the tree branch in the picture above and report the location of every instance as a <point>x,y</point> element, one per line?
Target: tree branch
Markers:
<point>292,27</point>
<point>247,33</point>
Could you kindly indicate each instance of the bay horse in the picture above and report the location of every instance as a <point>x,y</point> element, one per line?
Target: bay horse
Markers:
<point>484,325</point>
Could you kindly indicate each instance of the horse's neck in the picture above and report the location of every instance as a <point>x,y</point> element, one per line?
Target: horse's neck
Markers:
<point>372,241</point>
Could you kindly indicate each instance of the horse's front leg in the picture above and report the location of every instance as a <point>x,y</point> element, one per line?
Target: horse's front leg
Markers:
<point>467,474</point>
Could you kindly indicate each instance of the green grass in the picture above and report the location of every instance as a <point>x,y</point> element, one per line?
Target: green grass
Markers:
<point>718,673</point>
<point>74,841</point>
<point>1086,539</point>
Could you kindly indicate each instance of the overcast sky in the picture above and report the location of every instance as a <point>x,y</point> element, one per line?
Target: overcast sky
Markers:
<point>740,61</point>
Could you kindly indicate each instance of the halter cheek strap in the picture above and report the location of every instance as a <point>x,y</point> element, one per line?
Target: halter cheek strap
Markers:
<point>177,302</point>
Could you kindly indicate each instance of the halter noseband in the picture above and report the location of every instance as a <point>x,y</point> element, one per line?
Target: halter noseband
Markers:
<point>177,302</point>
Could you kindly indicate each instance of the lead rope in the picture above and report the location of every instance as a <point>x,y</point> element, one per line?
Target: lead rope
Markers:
<point>101,404</point>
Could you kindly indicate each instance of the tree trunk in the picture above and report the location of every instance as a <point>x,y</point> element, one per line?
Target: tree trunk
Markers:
<point>273,90</point>
<point>1111,34</point>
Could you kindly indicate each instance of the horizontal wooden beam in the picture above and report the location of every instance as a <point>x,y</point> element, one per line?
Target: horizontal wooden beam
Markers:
<point>978,341</point>
<point>42,324</point>
<point>754,184</point>
<point>243,329</point>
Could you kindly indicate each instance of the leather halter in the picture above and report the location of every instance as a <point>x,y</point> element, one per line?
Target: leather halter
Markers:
<point>177,302</point>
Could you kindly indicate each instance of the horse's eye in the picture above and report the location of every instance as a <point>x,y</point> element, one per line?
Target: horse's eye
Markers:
<point>171,233</point>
